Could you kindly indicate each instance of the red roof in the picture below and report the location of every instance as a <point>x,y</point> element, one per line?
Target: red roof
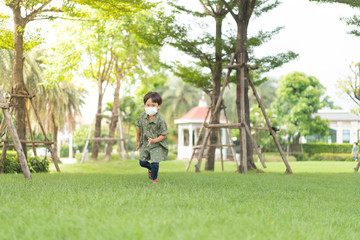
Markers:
<point>197,113</point>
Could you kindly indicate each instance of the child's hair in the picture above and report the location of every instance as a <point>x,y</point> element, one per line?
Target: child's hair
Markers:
<point>155,97</point>
<point>355,143</point>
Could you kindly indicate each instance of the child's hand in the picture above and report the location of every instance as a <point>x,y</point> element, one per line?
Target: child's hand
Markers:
<point>150,140</point>
<point>137,145</point>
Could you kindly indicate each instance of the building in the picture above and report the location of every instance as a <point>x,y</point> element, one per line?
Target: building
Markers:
<point>344,126</point>
<point>188,129</point>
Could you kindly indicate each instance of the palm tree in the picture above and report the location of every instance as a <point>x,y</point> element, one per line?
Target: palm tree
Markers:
<point>178,98</point>
<point>57,103</point>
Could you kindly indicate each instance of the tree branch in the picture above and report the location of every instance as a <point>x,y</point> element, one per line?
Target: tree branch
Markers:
<point>32,15</point>
<point>211,13</point>
<point>212,9</point>
<point>230,10</point>
<point>251,8</point>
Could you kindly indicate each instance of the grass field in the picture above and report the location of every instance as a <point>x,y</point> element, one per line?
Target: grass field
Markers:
<point>116,201</point>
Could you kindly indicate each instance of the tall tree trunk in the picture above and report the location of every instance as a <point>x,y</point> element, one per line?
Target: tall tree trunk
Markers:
<point>242,48</point>
<point>18,76</point>
<point>115,112</point>
<point>55,134</point>
<point>96,144</point>
<point>216,77</point>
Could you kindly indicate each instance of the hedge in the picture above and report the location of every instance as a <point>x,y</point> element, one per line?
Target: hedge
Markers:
<point>331,157</point>
<point>314,148</point>
<point>36,164</point>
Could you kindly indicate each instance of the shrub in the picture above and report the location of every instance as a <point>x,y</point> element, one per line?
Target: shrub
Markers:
<point>313,148</point>
<point>331,157</point>
<point>36,164</point>
<point>64,150</point>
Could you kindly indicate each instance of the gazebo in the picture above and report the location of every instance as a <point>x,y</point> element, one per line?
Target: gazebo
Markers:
<point>188,128</point>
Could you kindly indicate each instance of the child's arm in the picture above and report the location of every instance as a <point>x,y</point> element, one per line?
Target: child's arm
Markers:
<point>155,140</point>
<point>138,134</point>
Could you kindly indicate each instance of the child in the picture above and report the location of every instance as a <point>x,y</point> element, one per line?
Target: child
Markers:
<point>355,151</point>
<point>151,136</point>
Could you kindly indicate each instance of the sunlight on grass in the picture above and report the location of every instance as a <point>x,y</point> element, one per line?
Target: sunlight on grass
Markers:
<point>116,200</point>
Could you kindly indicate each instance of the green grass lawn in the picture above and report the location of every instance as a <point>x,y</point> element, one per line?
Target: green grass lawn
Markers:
<point>116,200</point>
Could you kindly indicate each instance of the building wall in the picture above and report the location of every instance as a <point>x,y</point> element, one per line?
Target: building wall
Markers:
<point>187,137</point>
<point>340,126</point>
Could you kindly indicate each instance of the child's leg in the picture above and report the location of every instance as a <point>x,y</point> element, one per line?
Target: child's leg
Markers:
<point>154,170</point>
<point>145,164</point>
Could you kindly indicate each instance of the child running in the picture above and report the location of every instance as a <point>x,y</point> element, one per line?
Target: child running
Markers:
<point>151,136</point>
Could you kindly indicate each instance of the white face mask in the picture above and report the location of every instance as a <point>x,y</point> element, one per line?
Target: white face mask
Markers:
<point>151,111</point>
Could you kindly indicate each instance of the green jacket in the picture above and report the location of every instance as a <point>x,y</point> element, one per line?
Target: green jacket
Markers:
<point>158,151</point>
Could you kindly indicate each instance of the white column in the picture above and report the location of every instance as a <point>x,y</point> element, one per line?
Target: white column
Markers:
<point>339,132</point>
<point>191,129</point>
<point>180,141</point>
<point>353,131</point>
<point>70,145</point>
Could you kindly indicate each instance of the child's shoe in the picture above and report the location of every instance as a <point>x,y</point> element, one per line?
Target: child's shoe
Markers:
<point>155,181</point>
<point>149,174</point>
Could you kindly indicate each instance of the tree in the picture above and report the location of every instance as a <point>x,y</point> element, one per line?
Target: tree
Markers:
<point>206,73</point>
<point>299,96</point>
<point>351,86</point>
<point>242,11</point>
<point>25,11</point>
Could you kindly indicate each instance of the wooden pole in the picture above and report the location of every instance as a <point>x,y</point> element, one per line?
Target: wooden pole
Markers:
<point>243,166</point>
<point>221,154</point>
<point>219,101</point>
<point>198,139</point>
<point>3,153</point>
<point>53,153</point>
<point>230,141</point>
<point>87,143</point>
<point>20,152</point>
<point>121,137</point>
<point>30,130</point>
<point>255,145</point>
<point>288,168</point>
<point>206,138</point>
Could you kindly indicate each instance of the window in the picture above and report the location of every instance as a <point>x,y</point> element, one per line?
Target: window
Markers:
<point>186,137</point>
<point>332,135</point>
<point>346,136</point>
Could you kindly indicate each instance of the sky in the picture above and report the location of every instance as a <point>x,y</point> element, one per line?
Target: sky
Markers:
<point>315,32</point>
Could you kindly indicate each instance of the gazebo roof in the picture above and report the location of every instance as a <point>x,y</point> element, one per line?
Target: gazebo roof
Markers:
<point>197,114</point>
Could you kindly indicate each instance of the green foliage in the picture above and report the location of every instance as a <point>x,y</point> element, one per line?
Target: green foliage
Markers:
<point>317,148</point>
<point>331,157</point>
<point>64,150</point>
<point>80,136</point>
<point>36,164</point>
<point>299,96</point>
<point>207,50</point>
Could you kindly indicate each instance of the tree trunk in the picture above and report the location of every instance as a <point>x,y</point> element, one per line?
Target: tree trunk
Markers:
<point>18,77</point>
<point>96,144</point>
<point>242,49</point>
<point>216,77</point>
<point>55,134</point>
<point>115,111</point>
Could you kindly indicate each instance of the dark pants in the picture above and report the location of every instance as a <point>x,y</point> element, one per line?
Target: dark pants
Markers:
<point>153,167</point>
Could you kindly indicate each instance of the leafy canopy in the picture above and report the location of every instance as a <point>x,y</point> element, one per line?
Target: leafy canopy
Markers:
<point>299,96</point>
